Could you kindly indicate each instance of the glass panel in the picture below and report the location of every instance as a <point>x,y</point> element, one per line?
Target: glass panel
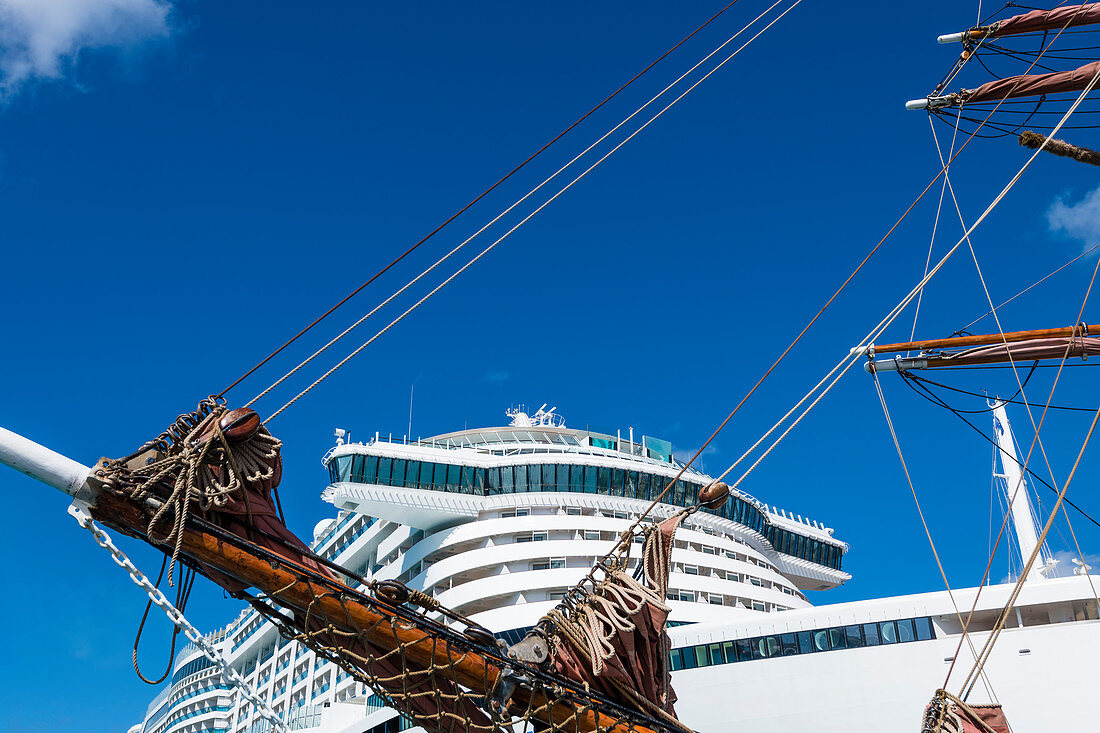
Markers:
<point>385,465</point>
<point>493,477</point>
<point>398,476</point>
<point>507,480</point>
<point>468,480</point>
<point>643,486</point>
<point>887,632</point>
<point>423,475</point>
<point>534,477</point>
<point>371,470</point>
<point>549,477</point>
<point>689,657</point>
<point>521,479</point>
<point>692,494</point>
<point>590,484</point>
<point>617,482</point>
<point>630,487</point>
<point>836,639</point>
<point>343,468</point>
<point>924,629</point>
<point>676,659</point>
<point>770,646</point>
<point>821,640</point>
<point>854,638</point>
<point>453,478</point>
<point>481,478</point>
<point>805,642</point>
<point>603,480</point>
<point>439,480</point>
<point>744,650</point>
<point>357,464</point>
<point>701,657</point>
<point>870,634</point>
<point>790,644</point>
<point>729,652</point>
<point>905,630</point>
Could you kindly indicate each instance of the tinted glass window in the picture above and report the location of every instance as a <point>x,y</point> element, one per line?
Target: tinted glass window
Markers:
<point>439,477</point>
<point>744,650</point>
<point>468,484</point>
<point>492,476</point>
<point>836,639</point>
<point>730,651</point>
<point>790,644</point>
<point>398,477</point>
<point>343,468</point>
<point>453,478</point>
<point>590,484</point>
<point>549,481</point>
<point>603,480</point>
<point>701,659</point>
<point>870,634</point>
<point>677,660</point>
<point>689,657</point>
<point>617,482</point>
<point>716,654</point>
<point>853,637</point>
<point>643,486</point>
<point>805,642</point>
<point>384,467</point>
<point>887,632</point>
<point>507,482</point>
<point>905,630</point>
<point>821,640</point>
<point>924,629</point>
<point>521,479</point>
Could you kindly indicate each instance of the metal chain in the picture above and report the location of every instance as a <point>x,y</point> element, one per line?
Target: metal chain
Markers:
<point>79,512</point>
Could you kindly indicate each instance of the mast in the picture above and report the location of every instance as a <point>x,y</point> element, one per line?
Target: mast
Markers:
<point>1016,495</point>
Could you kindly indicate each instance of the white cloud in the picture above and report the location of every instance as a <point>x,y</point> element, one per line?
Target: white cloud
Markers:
<point>501,376</point>
<point>1080,220</point>
<point>41,39</point>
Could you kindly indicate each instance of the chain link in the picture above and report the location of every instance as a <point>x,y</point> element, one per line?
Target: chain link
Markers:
<point>79,512</point>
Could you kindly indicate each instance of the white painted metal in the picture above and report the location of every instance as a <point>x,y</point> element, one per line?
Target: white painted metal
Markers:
<point>1016,493</point>
<point>952,37</point>
<point>39,462</point>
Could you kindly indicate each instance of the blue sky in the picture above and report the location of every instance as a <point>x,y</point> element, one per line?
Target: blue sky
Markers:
<point>183,185</point>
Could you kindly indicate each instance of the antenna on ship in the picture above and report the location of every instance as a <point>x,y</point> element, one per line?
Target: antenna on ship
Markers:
<point>1016,493</point>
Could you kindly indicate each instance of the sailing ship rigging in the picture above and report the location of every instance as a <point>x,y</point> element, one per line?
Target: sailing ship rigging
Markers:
<point>205,491</point>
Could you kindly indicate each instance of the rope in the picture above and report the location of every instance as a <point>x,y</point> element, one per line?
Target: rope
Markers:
<point>527,218</point>
<point>479,197</point>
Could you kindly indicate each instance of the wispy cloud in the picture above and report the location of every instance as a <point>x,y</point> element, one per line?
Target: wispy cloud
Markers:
<point>501,376</point>
<point>41,39</point>
<point>1080,220</point>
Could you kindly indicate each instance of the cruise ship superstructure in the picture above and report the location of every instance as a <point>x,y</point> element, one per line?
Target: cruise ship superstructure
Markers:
<point>496,523</point>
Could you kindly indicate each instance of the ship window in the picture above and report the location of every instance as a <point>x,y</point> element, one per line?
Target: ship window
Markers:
<point>343,468</point>
<point>454,478</point>
<point>439,477</point>
<point>617,482</point>
<point>492,476</point>
<point>805,642</point>
<point>521,479</point>
<point>691,569</point>
<point>888,632</point>
<point>357,466</point>
<point>924,629</point>
<point>689,657</point>
<point>590,534</point>
<point>548,479</point>
<point>715,599</point>
<point>744,650</point>
<point>758,606</point>
<point>590,480</point>
<point>687,595</point>
<point>643,486</point>
<point>729,650</point>
<point>630,488</point>
<point>573,511</point>
<point>870,634</point>
<point>854,638</point>
<point>821,640</point>
<point>732,576</point>
<point>385,465</point>
<point>676,659</point>
<point>767,646</point>
<point>716,655</point>
<point>539,536</point>
<point>468,484</point>
<point>603,480</point>
<point>905,630</point>
<point>398,477</point>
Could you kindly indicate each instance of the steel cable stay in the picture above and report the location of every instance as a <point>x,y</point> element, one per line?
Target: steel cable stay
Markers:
<point>531,215</point>
<point>479,197</point>
<point>521,200</point>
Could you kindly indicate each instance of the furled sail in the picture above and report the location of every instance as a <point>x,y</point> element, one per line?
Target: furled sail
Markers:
<point>1031,85</point>
<point>1034,21</point>
<point>1014,346</point>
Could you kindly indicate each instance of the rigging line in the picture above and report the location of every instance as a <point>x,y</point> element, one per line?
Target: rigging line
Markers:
<point>479,197</point>
<point>863,345</point>
<point>1010,401</point>
<point>536,211</point>
<point>924,523</point>
<point>937,400</point>
<point>1088,251</point>
<point>935,225</point>
<point>1061,495</point>
<point>511,208</point>
<point>999,626</point>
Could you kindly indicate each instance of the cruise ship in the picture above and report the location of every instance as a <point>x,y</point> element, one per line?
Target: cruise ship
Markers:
<point>497,523</point>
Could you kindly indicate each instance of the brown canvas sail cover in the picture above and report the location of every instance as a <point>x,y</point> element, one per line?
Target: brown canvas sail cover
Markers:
<point>1032,85</point>
<point>971,719</point>
<point>1046,20</point>
<point>1021,351</point>
<point>614,641</point>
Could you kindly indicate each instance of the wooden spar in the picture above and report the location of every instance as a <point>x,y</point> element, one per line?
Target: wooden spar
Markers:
<point>466,667</point>
<point>985,339</point>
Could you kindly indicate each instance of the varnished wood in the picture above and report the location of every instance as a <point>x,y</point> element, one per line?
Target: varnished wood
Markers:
<point>984,339</point>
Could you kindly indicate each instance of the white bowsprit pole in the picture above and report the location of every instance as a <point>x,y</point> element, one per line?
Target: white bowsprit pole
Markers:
<point>48,466</point>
